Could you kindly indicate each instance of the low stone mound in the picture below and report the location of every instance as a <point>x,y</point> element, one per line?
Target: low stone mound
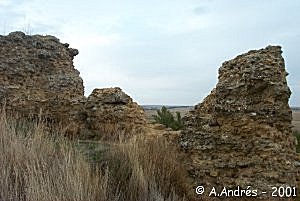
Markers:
<point>240,135</point>
<point>110,110</point>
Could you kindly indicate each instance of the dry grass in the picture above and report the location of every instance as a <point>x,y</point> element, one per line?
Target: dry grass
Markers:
<point>147,170</point>
<point>39,167</point>
<point>36,167</point>
<point>115,131</point>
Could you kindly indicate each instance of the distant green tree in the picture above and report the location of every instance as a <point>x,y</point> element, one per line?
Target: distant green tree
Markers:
<point>165,117</point>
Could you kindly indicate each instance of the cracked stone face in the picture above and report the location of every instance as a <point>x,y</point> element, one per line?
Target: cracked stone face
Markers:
<point>241,133</point>
<point>37,74</point>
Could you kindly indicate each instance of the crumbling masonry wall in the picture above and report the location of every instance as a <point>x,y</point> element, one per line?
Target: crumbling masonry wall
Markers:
<point>37,75</point>
<point>113,112</point>
<point>240,135</point>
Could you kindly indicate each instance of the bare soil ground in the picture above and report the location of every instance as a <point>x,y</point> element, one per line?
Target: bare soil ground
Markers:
<point>185,110</point>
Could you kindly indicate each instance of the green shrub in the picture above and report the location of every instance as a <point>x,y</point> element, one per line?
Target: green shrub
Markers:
<point>165,117</point>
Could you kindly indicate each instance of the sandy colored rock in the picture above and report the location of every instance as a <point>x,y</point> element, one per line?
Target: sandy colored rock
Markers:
<point>240,135</point>
<point>37,74</point>
<point>110,110</point>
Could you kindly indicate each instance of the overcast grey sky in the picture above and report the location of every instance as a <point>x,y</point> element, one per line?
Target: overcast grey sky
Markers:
<point>161,51</point>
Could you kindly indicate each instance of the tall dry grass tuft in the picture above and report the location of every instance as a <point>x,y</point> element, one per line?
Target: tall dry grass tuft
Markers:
<point>116,131</point>
<point>147,170</point>
<point>36,167</point>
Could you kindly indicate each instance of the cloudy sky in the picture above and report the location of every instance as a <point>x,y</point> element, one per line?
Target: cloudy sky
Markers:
<point>161,51</point>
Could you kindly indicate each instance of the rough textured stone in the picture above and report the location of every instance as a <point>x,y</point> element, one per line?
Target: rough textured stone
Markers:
<point>37,75</point>
<point>240,135</point>
<point>109,109</point>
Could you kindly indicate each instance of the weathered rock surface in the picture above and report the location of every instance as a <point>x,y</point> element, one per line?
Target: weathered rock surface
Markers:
<point>37,75</point>
<point>240,135</point>
<point>110,110</point>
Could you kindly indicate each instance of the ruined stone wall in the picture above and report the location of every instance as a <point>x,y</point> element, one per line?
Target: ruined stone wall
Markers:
<point>37,75</point>
<point>110,110</point>
<point>240,135</point>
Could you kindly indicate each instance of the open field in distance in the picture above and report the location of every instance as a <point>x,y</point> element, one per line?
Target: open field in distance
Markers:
<point>151,110</point>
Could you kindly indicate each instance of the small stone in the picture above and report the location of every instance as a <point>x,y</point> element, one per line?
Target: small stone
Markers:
<point>213,173</point>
